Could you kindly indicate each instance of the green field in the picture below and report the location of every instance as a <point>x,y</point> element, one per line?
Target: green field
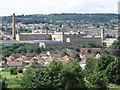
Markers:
<point>113,86</point>
<point>5,73</point>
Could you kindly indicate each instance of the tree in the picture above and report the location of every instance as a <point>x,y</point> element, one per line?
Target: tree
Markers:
<point>54,70</point>
<point>4,84</point>
<point>16,45</point>
<point>64,54</point>
<point>89,51</point>
<point>98,80</point>
<point>1,38</point>
<point>77,49</point>
<point>95,71</point>
<point>37,50</point>
<point>107,52</point>
<point>37,78</point>
<point>77,58</point>
<point>13,71</point>
<point>54,67</point>
<point>97,52</point>
<point>92,45</point>
<point>21,50</point>
<point>42,78</point>
<point>90,66</point>
<point>116,47</point>
<point>113,72</point>
<point>20,71</point>
<point>72,76</point>
<point>104,61</point>
<point>6,53</point>
<point>56,75</point>
<point>30,49</point>
<point>3,59</point>
<point>12,83</point>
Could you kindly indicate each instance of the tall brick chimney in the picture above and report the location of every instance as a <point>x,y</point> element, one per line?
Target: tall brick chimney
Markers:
<point>13,27</point>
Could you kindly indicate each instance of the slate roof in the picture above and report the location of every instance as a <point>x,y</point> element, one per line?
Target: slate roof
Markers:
<point>15,64</point>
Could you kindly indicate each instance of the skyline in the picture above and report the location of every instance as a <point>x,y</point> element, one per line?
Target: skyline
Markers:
<point>8,7</point>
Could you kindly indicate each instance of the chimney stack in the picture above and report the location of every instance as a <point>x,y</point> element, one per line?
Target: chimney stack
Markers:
<point>13,27</point>
<point>103,34</point>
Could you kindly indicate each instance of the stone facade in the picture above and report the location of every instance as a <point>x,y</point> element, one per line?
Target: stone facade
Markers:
<point>32,36</point>
<point>65,39</point>
<point>85,40</point>
<point>43,36</point>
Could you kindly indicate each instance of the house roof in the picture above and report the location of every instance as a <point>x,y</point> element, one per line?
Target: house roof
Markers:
<point>30,54</point>
<point>56,55</point>
<point>82,62</point>
<point>14,63</point>
<point>82,56</point>
<point>39,58</point>
<point>97,56</point>
<point>38,65</point>
<point>22,58</point>
<point>49,59</point>
<point>93,50</point>
<point>10,58</point>
<point>85,56</point>
<point>16,55</point>
<point>66,58</point>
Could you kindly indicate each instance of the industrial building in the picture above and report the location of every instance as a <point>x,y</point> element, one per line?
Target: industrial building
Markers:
<point>59,38</point>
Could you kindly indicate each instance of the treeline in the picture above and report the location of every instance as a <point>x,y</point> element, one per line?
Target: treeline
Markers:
<point>51,18</point>
<point>26,48</point>
<point>23,48</point>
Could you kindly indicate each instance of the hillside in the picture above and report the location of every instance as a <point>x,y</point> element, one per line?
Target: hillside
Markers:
<point>51,18</point>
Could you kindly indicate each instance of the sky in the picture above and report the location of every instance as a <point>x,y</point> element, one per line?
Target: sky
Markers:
<point>8,7</point>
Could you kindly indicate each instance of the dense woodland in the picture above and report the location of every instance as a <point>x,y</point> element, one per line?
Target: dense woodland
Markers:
<point>51,18</point>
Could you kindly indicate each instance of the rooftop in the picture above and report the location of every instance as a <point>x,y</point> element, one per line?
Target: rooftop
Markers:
<point>51,33</point>
<point>32,33</point>
<point>91,36</point>
<point>8,42</point>
<point>40,41</point>
<point>111,39</point>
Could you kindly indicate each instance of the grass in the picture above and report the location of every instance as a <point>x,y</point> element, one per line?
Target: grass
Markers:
<point>13,83</point>
<point>5,73</point>
<point>114,86</point>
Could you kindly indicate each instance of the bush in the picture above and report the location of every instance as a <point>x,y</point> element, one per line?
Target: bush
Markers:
<point>20,71</point>
<point>13,71</point>
<point>98,80</point>
<point>113,72</point>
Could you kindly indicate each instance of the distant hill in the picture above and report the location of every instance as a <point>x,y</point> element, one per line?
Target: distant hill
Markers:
<point>50,18</point>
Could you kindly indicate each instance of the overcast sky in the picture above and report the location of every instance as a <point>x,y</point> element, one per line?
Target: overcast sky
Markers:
<point>7,7</point>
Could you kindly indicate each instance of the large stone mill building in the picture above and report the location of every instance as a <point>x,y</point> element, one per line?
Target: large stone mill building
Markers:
<point>58,38</point>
